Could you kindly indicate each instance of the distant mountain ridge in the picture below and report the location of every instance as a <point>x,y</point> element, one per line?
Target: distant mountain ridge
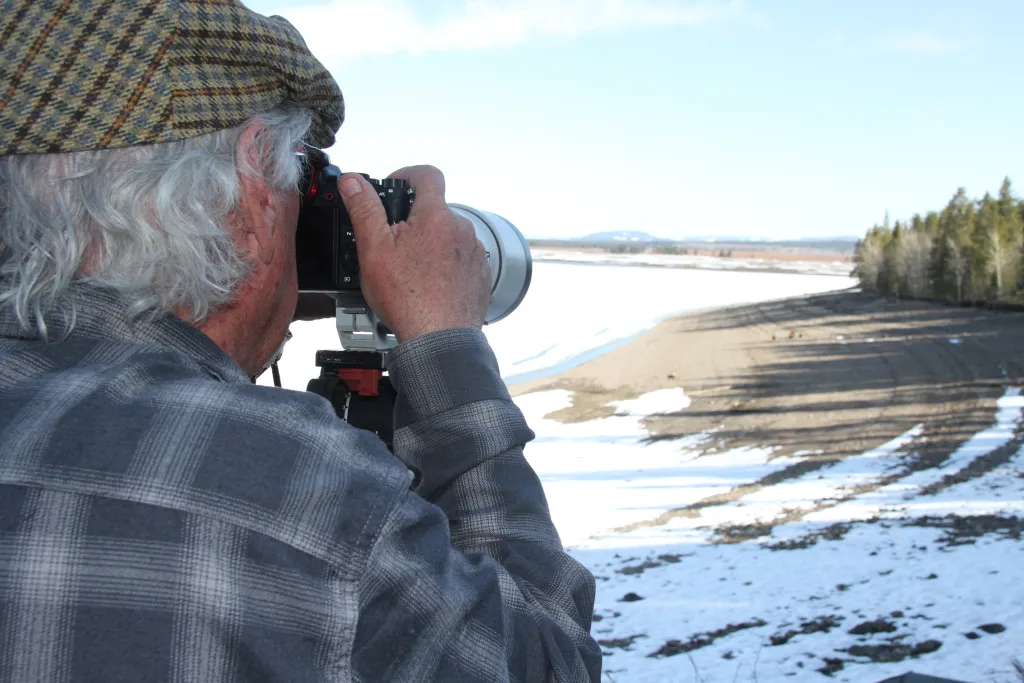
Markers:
<point>635,241</point>
<point>641,236</point>
<point>620,236</point>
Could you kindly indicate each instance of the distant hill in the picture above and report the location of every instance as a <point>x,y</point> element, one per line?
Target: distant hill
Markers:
<point>733,239</point>
<point>839,243</point>
<point>634,241</point>
<point>621,236</point>
<point>835,238</point>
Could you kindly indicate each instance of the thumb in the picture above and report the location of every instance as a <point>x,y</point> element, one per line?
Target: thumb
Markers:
<point>369,220</point>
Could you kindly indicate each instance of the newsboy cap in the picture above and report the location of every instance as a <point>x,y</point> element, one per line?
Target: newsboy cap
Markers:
<point>97,74</point>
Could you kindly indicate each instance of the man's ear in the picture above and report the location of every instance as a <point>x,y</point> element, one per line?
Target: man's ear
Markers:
<point>256,214</point>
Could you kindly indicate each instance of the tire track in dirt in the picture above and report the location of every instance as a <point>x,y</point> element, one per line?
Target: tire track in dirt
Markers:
<point>834,375</point>
<point>760,318</point>
<point>929,450</point>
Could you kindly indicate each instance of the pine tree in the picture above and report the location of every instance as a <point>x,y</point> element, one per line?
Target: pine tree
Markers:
<point>951,257</point>
<point>981,277</point>
<point>1011,235</point>
<point>1007,205</point>
<point>968,251</point>
<point>892,265</point>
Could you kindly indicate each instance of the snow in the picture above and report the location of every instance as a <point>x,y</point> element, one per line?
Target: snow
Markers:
<point>837,267</point>
<point>903,496</point>
<point>600,476</point>
<point>573,313</point>
<point>653,403</point>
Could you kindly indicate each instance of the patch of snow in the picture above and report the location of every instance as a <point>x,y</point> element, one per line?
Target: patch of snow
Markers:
<point>754,613</point>
<point>937,593</point>
<point>825,485</point>
<point>903,496</point>
<point>603,474</point>
<point>838,267</point>
<point>654,403</point>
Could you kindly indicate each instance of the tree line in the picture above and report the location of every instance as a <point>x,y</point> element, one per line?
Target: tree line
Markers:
<point>972,251</point>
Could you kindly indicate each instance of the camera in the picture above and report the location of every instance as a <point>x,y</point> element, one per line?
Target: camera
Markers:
<point>354,379</point>
<point>326,248</point>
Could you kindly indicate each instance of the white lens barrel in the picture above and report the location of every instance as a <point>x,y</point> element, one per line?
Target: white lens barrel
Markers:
<point>509,256</point>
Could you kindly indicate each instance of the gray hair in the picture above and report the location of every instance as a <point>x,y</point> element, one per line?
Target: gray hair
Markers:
<point>149,222</point>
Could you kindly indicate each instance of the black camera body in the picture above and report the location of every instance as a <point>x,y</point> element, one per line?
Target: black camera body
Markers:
<point>324,242</point>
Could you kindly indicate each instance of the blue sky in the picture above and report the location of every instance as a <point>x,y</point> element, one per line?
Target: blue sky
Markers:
<point>779,119</point>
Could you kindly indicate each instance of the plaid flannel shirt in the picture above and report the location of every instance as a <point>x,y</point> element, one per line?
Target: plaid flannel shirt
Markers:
<point>163,519</point>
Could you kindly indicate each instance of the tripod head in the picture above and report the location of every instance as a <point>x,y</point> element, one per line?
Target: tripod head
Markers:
<point>353,380</point>
<point>355,384</point>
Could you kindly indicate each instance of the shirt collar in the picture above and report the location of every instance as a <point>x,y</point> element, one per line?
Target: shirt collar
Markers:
<point>90,312</point>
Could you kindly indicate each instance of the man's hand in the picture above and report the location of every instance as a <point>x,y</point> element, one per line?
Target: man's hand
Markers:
<point>426,274</point>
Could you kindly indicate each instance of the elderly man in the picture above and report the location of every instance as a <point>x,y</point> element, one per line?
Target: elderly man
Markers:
<point>161,517</point>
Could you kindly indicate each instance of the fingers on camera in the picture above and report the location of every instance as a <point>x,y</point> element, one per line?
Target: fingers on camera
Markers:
<point>429,185</point>
<point>364,209</point>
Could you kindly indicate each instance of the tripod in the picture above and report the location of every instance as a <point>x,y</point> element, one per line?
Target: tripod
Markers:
<point>354,383</point>
<point>353,380</point>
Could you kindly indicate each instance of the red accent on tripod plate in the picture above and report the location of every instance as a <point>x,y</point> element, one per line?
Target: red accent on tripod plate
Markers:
<point>362,382</point>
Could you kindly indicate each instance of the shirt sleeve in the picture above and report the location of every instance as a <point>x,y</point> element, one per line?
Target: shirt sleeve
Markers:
<point>468,580</point>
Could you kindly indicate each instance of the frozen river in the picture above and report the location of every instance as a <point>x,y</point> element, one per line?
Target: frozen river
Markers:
<point>575,312</point>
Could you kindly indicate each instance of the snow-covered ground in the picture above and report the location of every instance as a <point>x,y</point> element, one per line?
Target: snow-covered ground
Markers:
<point>916,572</point>
<point>574,312</point>
<point>697,261</point>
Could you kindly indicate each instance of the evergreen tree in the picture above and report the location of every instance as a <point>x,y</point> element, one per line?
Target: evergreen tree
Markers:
<point>969,251</point>
<point>986,274</point>
<point>892,266</point>
<point>1007,205</point>
<point>917,223</point>
<point>951,256</point>
<point>1011,235</point>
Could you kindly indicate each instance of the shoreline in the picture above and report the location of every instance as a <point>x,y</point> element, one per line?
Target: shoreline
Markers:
<point>835,374</point>
<point>731,268</point>
<point>534,376</point>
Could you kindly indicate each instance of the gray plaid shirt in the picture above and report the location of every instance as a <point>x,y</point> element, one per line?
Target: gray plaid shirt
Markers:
<point>163,519</point>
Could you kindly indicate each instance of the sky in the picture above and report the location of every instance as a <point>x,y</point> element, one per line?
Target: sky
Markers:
<point>768,120</point>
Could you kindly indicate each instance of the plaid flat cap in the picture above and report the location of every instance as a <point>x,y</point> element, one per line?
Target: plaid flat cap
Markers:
<point>80,75</point>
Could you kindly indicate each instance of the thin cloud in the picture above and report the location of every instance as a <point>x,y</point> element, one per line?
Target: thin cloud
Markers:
<point>352,28</point>
<point>917,42</point>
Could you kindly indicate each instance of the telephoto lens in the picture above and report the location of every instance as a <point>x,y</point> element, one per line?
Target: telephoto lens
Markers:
<point>509,256</point>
